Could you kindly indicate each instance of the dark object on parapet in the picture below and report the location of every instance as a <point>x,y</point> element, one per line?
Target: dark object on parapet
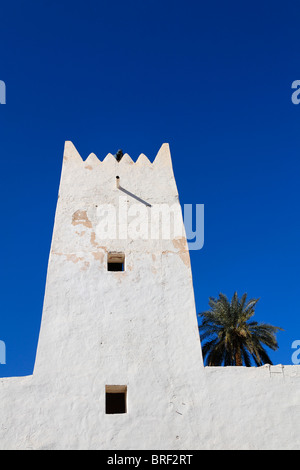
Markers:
<point>119,155</point>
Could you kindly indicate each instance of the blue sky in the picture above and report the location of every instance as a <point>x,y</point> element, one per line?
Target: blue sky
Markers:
<point>211,78</point>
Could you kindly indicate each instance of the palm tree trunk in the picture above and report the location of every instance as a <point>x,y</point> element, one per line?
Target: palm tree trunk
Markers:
<point>238,358</point>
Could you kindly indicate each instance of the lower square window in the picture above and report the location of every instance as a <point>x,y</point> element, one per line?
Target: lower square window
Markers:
<point>115,399</point>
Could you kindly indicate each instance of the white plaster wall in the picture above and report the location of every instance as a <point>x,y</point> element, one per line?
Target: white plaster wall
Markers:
<point>136,328</point>
<point>244,408</point>
<point>254,408</point>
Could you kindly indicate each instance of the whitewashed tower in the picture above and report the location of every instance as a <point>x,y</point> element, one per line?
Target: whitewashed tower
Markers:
<point>136,328</point>
<point>119,362</point>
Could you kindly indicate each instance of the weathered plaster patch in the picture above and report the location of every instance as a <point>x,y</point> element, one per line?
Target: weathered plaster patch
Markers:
<point>93,239</point>
<point>73,258</point>
<point>98,256</point>
<point>85,266</point>
<point>80,218</point>
<point>181,245</point>
<point>70,257</point>
<point>153,268</point>
<point>95,244</point>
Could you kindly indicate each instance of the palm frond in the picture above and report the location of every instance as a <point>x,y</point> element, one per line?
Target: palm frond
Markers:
<point>229,338</point>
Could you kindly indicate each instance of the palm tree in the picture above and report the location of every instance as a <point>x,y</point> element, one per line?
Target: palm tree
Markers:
<point>230,339</point>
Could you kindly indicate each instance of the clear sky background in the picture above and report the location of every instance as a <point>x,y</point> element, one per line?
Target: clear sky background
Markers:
<point>211,78</point>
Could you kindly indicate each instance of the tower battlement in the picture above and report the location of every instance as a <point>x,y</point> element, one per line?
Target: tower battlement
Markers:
<point>163,158</point>
<point>94,181</point>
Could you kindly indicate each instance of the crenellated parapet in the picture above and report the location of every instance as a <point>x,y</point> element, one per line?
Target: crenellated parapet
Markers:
<point>163,157</point>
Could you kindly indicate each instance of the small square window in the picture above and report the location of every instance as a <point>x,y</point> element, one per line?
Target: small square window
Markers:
<point>115,399</point>
<point>115,262</point>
